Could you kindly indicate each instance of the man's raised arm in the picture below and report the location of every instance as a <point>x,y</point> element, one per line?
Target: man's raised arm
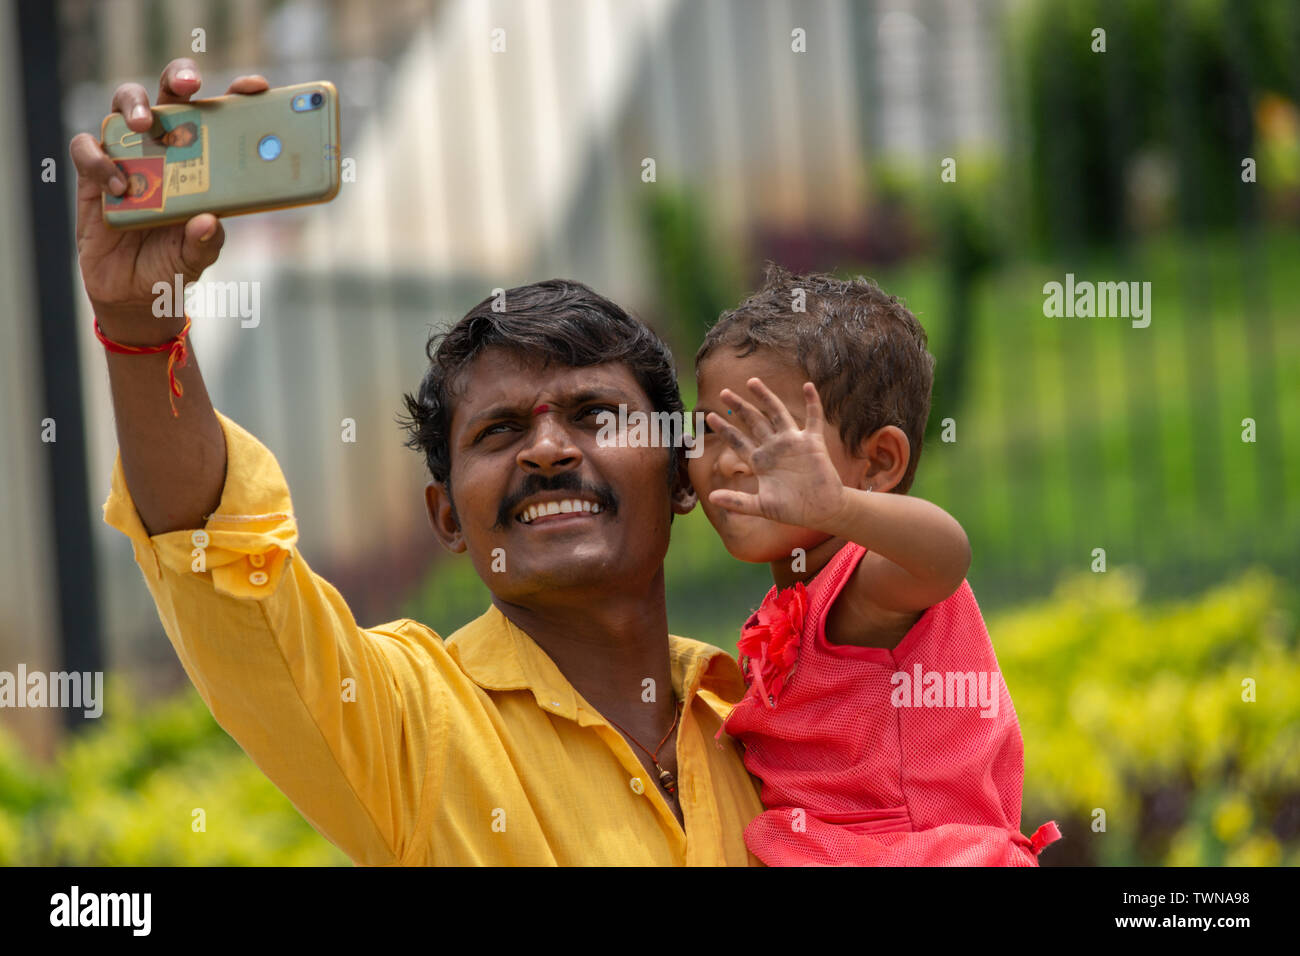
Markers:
<point>174,464</point>
<point>345,721</point>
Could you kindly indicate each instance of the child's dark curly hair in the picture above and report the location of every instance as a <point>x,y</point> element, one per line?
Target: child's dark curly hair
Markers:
<point>861,347</point>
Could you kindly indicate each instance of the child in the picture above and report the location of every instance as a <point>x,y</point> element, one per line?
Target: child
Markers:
<point>876,716</point>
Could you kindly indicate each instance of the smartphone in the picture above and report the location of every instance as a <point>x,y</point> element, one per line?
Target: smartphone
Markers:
<point>228,155</point>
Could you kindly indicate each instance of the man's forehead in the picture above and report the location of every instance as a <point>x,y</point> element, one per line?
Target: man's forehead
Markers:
<point>500,379</point>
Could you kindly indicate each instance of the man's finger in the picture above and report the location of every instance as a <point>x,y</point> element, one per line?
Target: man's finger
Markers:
<point>132,101</point>
<point>95,173</point>
<point>253,83</point>
<point>180,80</point>
<point>201,242</point>
<point>95,170</point>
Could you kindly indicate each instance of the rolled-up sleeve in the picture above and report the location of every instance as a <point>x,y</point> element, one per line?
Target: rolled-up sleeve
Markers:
<point>348,722</point>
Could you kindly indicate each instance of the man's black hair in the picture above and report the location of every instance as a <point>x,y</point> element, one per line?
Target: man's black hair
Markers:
<point>557,321</point>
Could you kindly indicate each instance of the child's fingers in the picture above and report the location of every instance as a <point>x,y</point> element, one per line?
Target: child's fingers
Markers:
<point>814,417</point>
<point>758,424</point>
<point>731,434</point>
<point>737,501</point>
<point>772,406</point>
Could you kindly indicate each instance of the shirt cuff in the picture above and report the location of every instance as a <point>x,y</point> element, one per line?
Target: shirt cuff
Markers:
<point>243,546</point>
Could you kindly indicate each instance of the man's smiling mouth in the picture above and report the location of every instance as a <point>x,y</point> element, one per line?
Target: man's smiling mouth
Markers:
<point>545,509</point>
<point>567,499</point>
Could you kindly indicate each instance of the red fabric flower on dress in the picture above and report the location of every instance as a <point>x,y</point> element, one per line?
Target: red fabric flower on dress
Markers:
<point>769,646</point>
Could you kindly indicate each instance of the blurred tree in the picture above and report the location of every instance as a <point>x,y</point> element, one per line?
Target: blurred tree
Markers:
<point>968,250</point>
<point>694,281</point>
<point>1186,91</point>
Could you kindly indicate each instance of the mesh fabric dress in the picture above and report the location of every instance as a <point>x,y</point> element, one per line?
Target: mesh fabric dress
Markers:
<point>862,767</point>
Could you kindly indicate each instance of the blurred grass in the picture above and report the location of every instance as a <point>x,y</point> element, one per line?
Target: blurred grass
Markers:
<point>1083,433</point>
<point>1126,705</point>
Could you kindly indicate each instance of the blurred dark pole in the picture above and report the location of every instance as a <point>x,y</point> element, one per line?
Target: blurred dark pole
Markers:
<point>80,641</point>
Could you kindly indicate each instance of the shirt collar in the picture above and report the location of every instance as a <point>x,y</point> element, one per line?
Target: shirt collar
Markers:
<point>497,655</point>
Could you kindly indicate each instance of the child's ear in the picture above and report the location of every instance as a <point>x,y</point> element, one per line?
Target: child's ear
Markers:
<point>888,453</point>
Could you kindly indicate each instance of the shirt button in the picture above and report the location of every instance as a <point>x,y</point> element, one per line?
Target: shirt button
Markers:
<point>637,786</point>
<point>257,578</point>
<point>257,560</point>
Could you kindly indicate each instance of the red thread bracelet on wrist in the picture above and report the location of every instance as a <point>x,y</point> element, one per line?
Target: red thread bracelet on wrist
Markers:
<point>177,359</point>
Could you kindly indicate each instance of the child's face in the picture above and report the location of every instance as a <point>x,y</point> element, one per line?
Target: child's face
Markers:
<point>749,537</point>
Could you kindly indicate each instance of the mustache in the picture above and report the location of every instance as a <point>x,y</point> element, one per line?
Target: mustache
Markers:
<point>564,481</point>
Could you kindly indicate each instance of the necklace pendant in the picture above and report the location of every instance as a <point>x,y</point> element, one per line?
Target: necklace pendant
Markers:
<point>667,781</point>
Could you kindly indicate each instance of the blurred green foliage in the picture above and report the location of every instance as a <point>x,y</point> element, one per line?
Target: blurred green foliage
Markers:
<point>1125,705</point>
<point>962,223</point>
<point>1178,80</point>
<point>1139,710</point>
<point>695,281</point>
<point>124,792</point>
<point>1076,434</point>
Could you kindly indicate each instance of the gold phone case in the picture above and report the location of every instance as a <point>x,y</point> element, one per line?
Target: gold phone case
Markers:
<point>215,155</point>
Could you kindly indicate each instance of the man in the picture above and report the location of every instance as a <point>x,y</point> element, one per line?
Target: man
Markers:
<point>564,726</point>
<point>178,137</point>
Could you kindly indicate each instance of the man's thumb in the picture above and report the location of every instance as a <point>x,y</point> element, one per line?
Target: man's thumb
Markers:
<point>202,242</point>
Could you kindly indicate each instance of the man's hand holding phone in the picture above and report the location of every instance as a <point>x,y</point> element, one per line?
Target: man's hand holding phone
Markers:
<point>119,267</point>
<point>174,466</point>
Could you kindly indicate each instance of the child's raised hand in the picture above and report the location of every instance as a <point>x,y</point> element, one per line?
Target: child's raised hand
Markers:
<point>797,481</point>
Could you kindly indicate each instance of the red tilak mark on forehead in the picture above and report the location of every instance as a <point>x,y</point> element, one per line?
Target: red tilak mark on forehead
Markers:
<point>541,408</point>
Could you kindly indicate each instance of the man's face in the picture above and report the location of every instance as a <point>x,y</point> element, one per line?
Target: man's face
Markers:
<point>181,136</point>
<point>524,435</point>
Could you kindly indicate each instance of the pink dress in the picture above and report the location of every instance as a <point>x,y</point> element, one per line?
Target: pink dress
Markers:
<point>872,757</point>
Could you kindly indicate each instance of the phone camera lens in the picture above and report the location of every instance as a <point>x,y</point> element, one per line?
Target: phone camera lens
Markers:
<point>317,99</point>
<point>269,147</point>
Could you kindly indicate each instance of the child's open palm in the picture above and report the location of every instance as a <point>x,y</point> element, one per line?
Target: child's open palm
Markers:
<point>797,481</point>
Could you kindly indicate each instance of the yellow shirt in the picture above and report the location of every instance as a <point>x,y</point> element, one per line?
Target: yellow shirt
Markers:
<point>402,749</point>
